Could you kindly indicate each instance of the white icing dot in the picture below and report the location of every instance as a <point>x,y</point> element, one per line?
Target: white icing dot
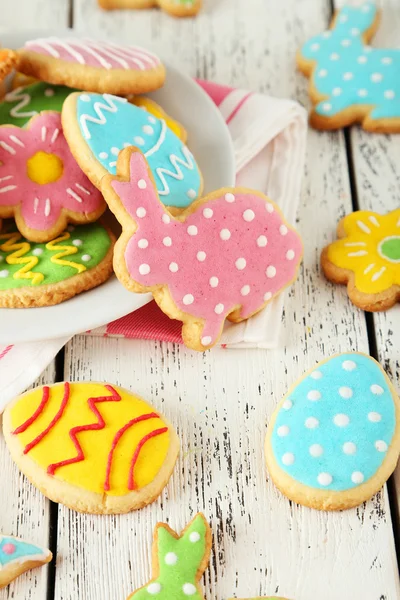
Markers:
<point>201,256</point>
<point>314,395</point>
<point>4,273</point>
<point>166,218</point>
<point>322,73</point>
<point>290,254</point>
<point>366,8</point>
<point>142,185</point>
<point>336,91</point>
<point>376,77</point>
<point>381,446</point>
<point>115,151</point>
<point>349,365</point>
<point>324,479</point>
<point>191,194</point>
<point>77,242</point>
<point>363,93</point>
<point>270,272</point>
<point>345,392</point>
<point>346,43</point>
<point>262,241</point>
<point>311,423</point>
<point>334,56</point>
<point>362,59</point>
<point>154,588</point>
<point>171,559</point>
<point>357,477</point>
<point>355,31</point>
<point>389,94</point>
<point>229,197</point>
<point>314,47</point>
<point>240,264</point>
<point>219,309</point>
<point>316,375</point>
<point>144,269</point>
<point>195,536</point>
<point>245,291</point>
<point>374,417</point>
<point>316,450</point>
<point>341,420</point>
<point>327,106</point>
<point>173,267</point>
<point>38,252</point>
<point>86,257</point>
<point>188,299</point>
<point>208,213</point>
<point>348,76</point>
<point>143,243</point>
<point>50,92</point>
<point>283,431</point>
<point>84,97</point>
<point>167,241</point>
<point>189,589</point>
<point>126,144</point>
<point>151,119</point>
<point>287,405</point>
<point>225,234</point>
<point>192,230</point>
<point>206,341</point>
<point>288,458</point>
<point>269,207</point>
<point>103,155</point>
<point>267,296</point>
<point>248,215</point>
<point>376,389</point>
<point>386,60</point>
<point>214,281</point>
<point>343,18</point>
<point>283,230</point>
<point>139,141</point>
<point>141,212</point>
<point>327,34</point>
<point>147,129</point>
<point>349,448</point>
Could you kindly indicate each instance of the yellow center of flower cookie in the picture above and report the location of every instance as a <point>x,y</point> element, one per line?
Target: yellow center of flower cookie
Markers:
<point>43,168</point>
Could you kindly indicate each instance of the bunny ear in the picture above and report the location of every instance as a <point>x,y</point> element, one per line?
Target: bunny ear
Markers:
<point>356,19</point>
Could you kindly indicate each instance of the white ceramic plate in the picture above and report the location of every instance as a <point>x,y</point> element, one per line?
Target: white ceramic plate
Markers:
<point>210,142</point>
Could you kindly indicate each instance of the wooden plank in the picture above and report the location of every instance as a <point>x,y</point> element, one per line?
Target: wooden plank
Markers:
<point>37,14</point>
<point>220,401</point>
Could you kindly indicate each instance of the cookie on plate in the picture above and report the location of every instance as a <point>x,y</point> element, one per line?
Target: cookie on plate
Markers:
<point>334,439</point>
<point>23,103</point>
<point>33,274</point>
<point>92,65</point>
<point>92,446</point>
<point>98,127</point>
<point>226,256</point>
<point>350,81</point>
<point>366,258</point>
<point>8,62</point>
<point>157,111</point>
<point>17,557</point>
<point>41,185</point>
<point>179,562</point>
<point>177,8</point>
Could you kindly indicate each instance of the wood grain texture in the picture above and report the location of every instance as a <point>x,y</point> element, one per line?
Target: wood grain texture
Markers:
<point>34,14</point>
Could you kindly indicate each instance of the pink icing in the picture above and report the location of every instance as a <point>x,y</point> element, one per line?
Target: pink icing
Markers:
<point>41,205</point>
<point>104,55</point>
<point>234,250</point>
<point>9,548</point>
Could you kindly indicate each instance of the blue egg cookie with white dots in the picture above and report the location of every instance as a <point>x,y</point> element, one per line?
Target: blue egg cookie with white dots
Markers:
<point>334,439</point>
<point>98,126</point>
<point>350,81</point>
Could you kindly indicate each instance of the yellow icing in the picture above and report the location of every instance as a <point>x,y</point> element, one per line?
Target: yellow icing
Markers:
<point>58,259</point>
<point>18,251</point>
<point>43,168</point>
<point>57,445</point>
<point>362,250</point>
<point>156,110</point>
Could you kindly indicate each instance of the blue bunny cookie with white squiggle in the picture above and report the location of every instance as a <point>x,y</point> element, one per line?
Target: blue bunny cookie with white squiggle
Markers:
<point>334,439</point>
<point>98,126</point>
<point>349,80</point>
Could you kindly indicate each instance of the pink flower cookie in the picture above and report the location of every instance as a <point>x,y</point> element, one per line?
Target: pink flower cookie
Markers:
<point>225,256</point>
<point>92,65</point>
<point>41,185</point>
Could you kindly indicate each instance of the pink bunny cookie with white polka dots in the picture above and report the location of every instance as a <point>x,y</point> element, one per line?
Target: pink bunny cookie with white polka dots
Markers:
<point>225,256</point>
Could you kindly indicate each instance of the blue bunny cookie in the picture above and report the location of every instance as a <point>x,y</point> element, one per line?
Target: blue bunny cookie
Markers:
<point>350,81</point>
<point>98,127</point>
<point>334,439</point>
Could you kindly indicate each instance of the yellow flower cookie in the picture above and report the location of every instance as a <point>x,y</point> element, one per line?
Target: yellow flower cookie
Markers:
<point>92,446</point>
<point>366,257</point>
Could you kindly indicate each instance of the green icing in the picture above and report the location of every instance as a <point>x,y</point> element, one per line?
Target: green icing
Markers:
<point>181,562</point>
<point>390,248</point>
<point>95,244</point>
<point>25,102</point>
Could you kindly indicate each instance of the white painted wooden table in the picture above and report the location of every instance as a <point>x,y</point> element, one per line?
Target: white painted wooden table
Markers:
<point>221,401</point>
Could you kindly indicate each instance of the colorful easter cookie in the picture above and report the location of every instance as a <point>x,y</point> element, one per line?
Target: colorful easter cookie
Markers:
<point>179,562</point>
<point>156,110</point>
<point>41,184</point>
<point>350,81</point>
<point>367,259</point>
<point>17,557</point>
<point>94,447</point>
<point>224,257</point>
<point>99,127</point>
<point>8,62</point>
<point>177,8</point>
<point>22,104</point>
<point>20,80</point>
<point>334,439</point>
<point>92,65</point>
<point>46,274</point>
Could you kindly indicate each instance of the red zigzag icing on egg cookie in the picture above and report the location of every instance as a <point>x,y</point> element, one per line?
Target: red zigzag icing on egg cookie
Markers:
<point>146,438</point>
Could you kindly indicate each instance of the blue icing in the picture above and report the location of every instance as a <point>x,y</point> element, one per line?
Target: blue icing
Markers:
<point>350,73</point>
<point>108,124</point>
<point>350,388</point>
<point>22,550</point>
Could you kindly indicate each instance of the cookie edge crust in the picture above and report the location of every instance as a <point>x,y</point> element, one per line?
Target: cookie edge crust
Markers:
<point>11,572</point>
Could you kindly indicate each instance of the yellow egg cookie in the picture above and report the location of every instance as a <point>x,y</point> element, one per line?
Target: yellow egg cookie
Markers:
<point>156,110</point>
<point>92,446</point>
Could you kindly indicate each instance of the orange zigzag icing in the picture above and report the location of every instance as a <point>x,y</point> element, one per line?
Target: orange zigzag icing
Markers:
<point>29,262</point>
